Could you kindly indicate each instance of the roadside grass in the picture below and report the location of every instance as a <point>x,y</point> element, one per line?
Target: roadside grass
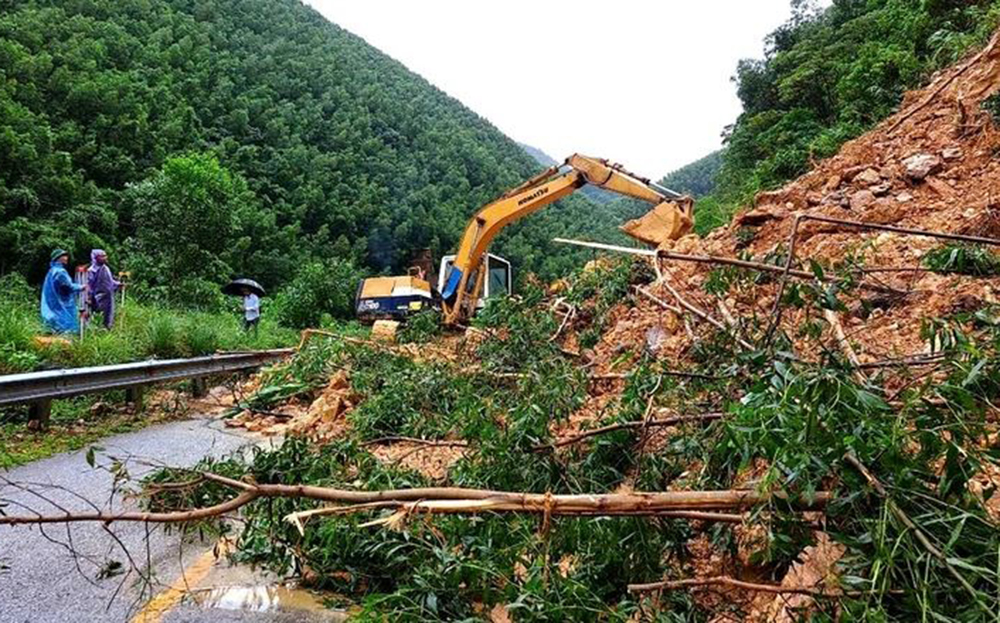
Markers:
<point>142,331</point>
<point>74,425</point>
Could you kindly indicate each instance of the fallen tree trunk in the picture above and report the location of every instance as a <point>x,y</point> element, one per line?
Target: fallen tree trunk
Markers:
<point>443,499</point>
<point>453,507</point>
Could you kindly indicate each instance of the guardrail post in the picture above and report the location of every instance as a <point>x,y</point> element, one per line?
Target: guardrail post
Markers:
<point>133,395</point>
<point>199,388</point>
<point>38,414</point>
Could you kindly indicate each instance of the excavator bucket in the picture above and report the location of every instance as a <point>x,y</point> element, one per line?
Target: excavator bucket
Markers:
<point>669,220</point>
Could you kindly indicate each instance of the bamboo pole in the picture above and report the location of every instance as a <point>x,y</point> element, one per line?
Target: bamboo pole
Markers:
<point>445,507</point>
<point>905,519</point>
<point>908,231</point>
<point>845,344</point>
<point>653,423</point>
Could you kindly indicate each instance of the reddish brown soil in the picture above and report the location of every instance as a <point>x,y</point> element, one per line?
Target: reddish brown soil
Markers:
<point>869,180</point>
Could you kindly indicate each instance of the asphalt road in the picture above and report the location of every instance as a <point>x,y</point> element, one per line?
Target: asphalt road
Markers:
<point>45,582</point>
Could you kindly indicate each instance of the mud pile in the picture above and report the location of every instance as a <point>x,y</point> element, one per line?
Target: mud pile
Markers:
<point>935,166</point>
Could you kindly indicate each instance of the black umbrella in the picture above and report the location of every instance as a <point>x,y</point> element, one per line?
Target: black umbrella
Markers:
<point>235,287</point>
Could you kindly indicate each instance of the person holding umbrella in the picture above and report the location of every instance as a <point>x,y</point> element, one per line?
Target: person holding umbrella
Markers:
<point>251,291</point>
<point>58,308</point>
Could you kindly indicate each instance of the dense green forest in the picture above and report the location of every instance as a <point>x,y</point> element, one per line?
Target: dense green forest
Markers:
<point>698,178</point>
<point>202,139</point>
<point>830,75</point>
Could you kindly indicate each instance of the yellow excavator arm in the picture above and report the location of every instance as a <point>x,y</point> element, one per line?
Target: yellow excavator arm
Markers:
<point>464,282</point>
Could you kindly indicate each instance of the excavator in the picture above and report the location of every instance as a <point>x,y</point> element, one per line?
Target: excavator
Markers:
<point>467,278</point>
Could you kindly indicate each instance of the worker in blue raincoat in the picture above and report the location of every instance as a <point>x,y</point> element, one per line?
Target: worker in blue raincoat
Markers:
<point>59,312</point>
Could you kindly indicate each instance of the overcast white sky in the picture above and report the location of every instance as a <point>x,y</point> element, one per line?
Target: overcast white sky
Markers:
<point>645,83</point>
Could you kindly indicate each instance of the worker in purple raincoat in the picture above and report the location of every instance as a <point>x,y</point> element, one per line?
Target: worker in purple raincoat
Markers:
<point>101,287</point>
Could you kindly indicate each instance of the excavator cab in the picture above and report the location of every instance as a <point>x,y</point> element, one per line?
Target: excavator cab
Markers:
<point>499,279</point>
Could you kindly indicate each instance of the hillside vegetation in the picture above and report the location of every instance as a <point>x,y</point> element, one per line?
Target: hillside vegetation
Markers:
<point>698,178</point>
<point>204,139</point>
<point>827,77</point>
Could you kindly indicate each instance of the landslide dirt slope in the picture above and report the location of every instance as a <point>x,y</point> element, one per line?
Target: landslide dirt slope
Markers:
<point>935,165</point>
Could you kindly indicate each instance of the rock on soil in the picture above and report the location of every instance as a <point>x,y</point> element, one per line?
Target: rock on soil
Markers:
<point>918,167</point>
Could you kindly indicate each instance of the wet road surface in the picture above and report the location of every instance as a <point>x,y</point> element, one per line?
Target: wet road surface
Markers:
<point>45,583</point>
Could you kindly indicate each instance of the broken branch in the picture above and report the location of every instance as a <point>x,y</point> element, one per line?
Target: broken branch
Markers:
<point>567,441</point>
<point>655,423</point>
<point>691,308</point>
<point>728,581</point>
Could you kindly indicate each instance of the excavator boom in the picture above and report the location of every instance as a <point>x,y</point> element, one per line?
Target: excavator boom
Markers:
<point>464,281</point>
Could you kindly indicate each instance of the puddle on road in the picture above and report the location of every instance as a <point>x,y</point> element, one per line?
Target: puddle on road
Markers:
<point>264,599</point>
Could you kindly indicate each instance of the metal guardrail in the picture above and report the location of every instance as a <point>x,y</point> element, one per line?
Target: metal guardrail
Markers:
<point>52,384</point>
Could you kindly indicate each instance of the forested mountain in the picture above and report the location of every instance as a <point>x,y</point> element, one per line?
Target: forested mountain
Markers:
<point>319,145</point>
<point>696,179</point>
<point>539,156</point>
<point>830,75</point>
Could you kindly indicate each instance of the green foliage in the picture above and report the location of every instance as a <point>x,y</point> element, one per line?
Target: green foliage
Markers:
<point>597,290</point>
<point>319,292</point>
<point>962,259</point>
<point>400,397</point>
<point>711,212</point>
<point>992,106</point>
<point>441,570</point>
<point>18,325</point>
<point>202,335</point>
<point>162,335</point>
<point>788,426</point>
<point>186,217</point>
<point>801,421</point>
<point>698,178</point>
<point>421,328</point>
<point>526,329</point>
